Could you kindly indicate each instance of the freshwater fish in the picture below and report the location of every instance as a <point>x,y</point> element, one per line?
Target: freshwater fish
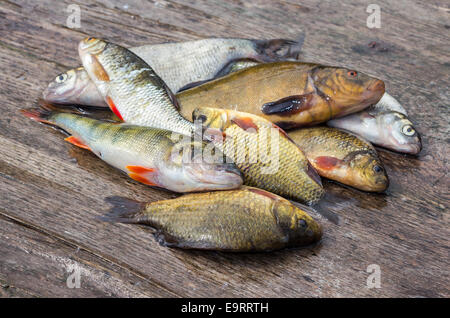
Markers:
<point>189,62</point>
<point>263,152</point>
<point>290,94</point>
<point>243,220</point>
<point>341,156</point>
<point>130,87</point>
<point>385,124</point>
<point>147,155</point>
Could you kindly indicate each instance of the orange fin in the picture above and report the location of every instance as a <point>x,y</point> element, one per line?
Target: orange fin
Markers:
<point>141,174</point>
<point>139,169</point>
<point>98,70</point>
<point>77,142</point>
<point>113,107</point>
<point>141,179</point>
<point>245,123</point>
<point>326,162</point>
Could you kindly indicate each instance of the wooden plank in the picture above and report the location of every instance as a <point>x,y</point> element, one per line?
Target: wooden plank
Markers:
<point>41,265</point>
<point>53,192</point>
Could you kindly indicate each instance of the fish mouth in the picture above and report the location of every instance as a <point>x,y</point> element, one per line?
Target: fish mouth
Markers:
<point>91,45</point>
<point>411,148</point>
<point>216,176</point>
<point>373,93</point>
<point>51,94</point>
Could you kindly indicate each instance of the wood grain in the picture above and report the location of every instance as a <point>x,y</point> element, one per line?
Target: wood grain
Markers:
<point>51,192</point>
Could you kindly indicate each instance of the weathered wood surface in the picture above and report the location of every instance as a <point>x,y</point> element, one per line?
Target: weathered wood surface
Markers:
<point>50,192</point>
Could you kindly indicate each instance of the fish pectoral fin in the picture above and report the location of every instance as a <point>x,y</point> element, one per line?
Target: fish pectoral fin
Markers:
<point>113,107</point>
<point>327,162</point>
<point>246,123</point>
<point>289,105</point>
<point>142,174</point>
<point>77,142</point>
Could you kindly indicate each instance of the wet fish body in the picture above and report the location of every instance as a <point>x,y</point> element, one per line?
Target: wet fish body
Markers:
<point>290,94</point>
<point>189,62</point>
<point>130,87</point>
<point>384,124</point>
<point>243,220</point>
<point>267,158</point>
<point>341,156</point>
<point>147,155</point>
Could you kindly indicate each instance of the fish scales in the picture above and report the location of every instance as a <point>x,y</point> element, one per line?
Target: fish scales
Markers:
<point>343,157</point>
<point>247,219</point>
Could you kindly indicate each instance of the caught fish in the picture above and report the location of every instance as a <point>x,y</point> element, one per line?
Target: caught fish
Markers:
<point>263,152</point>
<point>343,157</point>
<point>130,87</point>
<point>290,94</point>
<point>384,124</point>
<point>242,220</point>
<point>147,155</point>
<point>189,62</point>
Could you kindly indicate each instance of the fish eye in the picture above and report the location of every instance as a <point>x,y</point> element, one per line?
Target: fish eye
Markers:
<point>61,78</point>
<point>302,224</point>
<point>377,169</point>
<point>408,130</point>
<point>352,73</point>
<point>201,118</point>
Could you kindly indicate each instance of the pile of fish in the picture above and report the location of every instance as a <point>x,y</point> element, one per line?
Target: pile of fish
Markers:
<point>224,129</point>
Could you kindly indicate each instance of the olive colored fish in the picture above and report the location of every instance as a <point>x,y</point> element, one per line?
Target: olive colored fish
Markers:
<point>131,88</point>
<point>385,124</point>
<point>263,152</point>
<point>290,94</point>
<point>243,220</point>
<point>343,157</point>
<point>147,155</point>
<point>178,64</point>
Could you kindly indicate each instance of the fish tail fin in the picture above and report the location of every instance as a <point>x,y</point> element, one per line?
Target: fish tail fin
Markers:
<point>123,210</point>
<point>41,115</point>
<point>278,49</point>
<point>94,112</point>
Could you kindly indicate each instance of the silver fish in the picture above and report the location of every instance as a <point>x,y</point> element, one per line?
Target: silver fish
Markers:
<point>384,124</point>
<point>178,64</point>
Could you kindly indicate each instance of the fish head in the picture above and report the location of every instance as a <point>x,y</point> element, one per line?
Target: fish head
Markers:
<point>213,122</point>
<point>91,51</point>
<point>199,166</point>
<point>91,45</point>
<point>347,88</point>
<point>399,133</point>
<point>66,87</point>
<point>367,172</point>
<point>297,225</point>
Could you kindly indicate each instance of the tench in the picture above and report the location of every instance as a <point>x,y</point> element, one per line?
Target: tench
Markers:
<point>147,155</point>
<point>290,94</point>
<point>343,157</point>
<point>385,124</point>
<point>243,220</point>
<point>130,87</point>
<point>263,152</point>
<point>178,64</point>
